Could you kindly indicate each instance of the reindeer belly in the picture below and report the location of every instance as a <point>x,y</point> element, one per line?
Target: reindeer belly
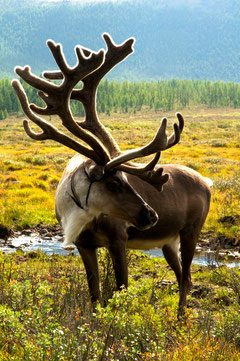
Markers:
<point>147,244</point>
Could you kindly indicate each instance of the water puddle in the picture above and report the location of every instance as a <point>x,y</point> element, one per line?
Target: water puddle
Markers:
<point>35,242</point>
<point>53,245</point>
<point>207,257</point>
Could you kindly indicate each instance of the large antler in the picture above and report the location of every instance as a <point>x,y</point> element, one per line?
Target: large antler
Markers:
<point>57,98</point>
<point>87,95</point>
<point>90,69</point>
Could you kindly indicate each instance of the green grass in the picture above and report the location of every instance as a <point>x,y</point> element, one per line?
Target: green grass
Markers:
<point>45,313</point>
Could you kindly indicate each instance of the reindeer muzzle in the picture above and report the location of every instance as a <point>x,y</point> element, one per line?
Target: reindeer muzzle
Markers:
<point>147,218</point>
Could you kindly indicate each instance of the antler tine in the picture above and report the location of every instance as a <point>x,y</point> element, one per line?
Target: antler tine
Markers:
<point>133,168</point>
<point>147,172</point>
<point>53,75</point>
<point>58,75</point>
<point>57,52</point>
<point>156,177</point>
<point>175,137</point>
<point>36,82</point>
<point>114,54</point>
<point>49,131</point>
<point>157,144</point>
<point>85,65</point>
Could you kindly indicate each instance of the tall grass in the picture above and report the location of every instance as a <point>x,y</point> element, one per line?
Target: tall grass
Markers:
<point>45,312</point>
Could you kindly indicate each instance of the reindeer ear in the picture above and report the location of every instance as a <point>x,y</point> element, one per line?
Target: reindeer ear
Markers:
<point>95,172</point>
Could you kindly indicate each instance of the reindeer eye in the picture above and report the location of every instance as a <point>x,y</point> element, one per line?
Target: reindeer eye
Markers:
<point>114,186</point>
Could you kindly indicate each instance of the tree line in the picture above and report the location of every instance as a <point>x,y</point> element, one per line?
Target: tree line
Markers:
<point>115,96</point>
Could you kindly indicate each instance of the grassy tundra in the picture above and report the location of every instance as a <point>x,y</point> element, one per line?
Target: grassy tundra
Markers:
<point>44,302</point>
<point>210,144</point>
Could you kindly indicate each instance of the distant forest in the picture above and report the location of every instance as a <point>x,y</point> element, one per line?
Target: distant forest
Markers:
<point>114,96</point>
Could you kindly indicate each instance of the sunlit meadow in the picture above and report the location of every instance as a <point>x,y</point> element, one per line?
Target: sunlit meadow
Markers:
<point>30,170</point>
<point>45,312</point>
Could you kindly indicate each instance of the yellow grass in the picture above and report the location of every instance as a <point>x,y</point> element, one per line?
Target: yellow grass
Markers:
<point>30,170</point>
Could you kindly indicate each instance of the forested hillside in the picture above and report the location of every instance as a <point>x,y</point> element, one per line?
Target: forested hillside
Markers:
<point>127,96</point>
<point>194,39</point>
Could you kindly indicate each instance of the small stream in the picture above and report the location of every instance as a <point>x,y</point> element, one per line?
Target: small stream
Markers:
<point>207,258</point>
<point>53,245</point>
<point>35,242</point>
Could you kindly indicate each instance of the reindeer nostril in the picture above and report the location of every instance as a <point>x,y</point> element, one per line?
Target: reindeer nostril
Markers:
<point>147,217</point>
<point>153,216</point>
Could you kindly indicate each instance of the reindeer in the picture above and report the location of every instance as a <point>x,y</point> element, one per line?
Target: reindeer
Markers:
<point>104,199</point>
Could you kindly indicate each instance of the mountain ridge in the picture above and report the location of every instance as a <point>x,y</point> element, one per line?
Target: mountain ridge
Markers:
<point>193,40</point>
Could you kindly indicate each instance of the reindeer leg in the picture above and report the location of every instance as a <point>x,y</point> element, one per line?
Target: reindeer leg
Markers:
<point>188,238</point>
<point>89,257</point>
<point>172,257</point>
<point>116,236</point>
<point>119,259</point>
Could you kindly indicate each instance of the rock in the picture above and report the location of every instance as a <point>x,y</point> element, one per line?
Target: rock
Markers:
<point>4,232</point>
<point>20,259</point>
<point>47,236</point>
<point>69,248</point>
<point>137,277</point>
<point>230,219</point>
<point>27,232</point>
<point>201,291</point>
<point>227,246</point>
<point>165,283</point>
<point>12,246</point>
<point>150,273</point>
<point>223,300</point>
<point>32,254</point>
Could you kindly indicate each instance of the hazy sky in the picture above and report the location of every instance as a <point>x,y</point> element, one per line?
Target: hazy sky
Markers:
<point>82,1</point>
<point>172,2</point>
